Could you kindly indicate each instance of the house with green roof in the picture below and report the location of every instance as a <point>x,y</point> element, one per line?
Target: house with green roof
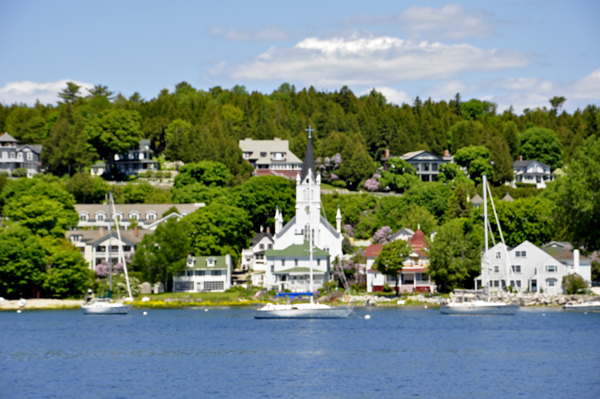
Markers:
<point>289,268</point>
<point>204,274</point>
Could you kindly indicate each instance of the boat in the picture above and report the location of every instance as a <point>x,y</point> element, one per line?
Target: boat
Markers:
<point>106,306</point>
<point>589,306</point>
<point>310,310</point>
<point>472,302</point>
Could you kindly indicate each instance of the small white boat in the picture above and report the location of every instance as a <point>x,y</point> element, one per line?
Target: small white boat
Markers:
<point>590,306</point>
<point>105,306</point>
<point>302,311</point>
<point>479,307</point>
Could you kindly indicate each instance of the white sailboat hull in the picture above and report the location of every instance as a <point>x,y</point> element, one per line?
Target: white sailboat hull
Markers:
<point>486,308</point>
<point>105,308</point>
<point>583,307</point>
<point>303,311</point>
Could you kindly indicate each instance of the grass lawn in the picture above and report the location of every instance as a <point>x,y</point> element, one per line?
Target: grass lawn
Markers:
<point>325,186</point>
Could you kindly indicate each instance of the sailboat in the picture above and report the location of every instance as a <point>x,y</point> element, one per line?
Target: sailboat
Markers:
<point>471,301</point>
<point>310,310</point>
<point>106,306</point>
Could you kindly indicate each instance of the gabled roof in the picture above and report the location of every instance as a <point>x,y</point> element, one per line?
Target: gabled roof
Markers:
<point>255,147</point>
<point>507,198</point>
<point>260,236</point>
<point>7,138</point>
<point>141,208</point>
<point>373,250</point>
<point>429,155</point>
<point>37,148</point>
<point>296,250</point>
<point>520,164</point>
<point>201,263</point>
<point>477,199</point>
<point>93,237</point>
<point>568,255</point>
<point>402,232</point>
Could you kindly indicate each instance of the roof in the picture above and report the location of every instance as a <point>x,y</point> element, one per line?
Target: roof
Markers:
<point>299,270</point>
<point>477,199</point>
<point>507,198</point>
<point>7,138</point>
<point>201,262</point>
<point>92,237</point>
<point>373,250</point>
<point>567,255</point>
<point>37,148</point>
<point>255,147</point>
<point>404,231</point>
<point>309,161</point>
<point>141,208</point>
<point>517,164</point>
<point>297,250</point>
<point>418,242</point>
<point>413,154</point>
<point>260,236</point>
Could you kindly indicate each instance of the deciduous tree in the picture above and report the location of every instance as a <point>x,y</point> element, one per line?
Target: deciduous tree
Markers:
<point>390,260</point>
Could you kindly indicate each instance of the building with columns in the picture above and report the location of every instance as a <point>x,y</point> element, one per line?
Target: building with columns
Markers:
<point>287,263</point>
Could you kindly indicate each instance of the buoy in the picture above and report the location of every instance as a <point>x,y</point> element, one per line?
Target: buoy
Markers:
<point>425,306</point>
<point>145,313</point>
<point>206,310</point>
<point>19,311</point>
<point>367,317</point>
<point>543,314</point>
<point>585,313</point>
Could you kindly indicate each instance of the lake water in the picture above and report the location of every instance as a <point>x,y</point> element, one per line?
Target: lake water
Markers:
<point>190,353</point>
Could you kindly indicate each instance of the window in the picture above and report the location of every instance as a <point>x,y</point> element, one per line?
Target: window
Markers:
<point>29,156</point>
<point>295,262</point>
<point>215,272</point>
<point>498,255</point>
<point>134,216</point>
<point>151,216</point>
<point>551,282</point>
<point>551,269</point>
<point>199,273</point>
<point>213,285</point>
<point>261,246</point>
<point>270,246</point>
<point>260,257</point>
<point>496,269</point>
<point>183,286</point>
<point>282,262</point>
<point>318,262</point>
<point>518,283</point>
<point>516,269</point>
<point>210,262</point>
<point>83,217</point>
<point>13,155</point>
<point>75,238</point>
<point>512,283</point>
<point>263,154</point>
<point>425,167</point>
<point>100,217</point>
<point>126,248</point>
<point>272,269</point>
<point>434,167</point>
<point>496,283</point>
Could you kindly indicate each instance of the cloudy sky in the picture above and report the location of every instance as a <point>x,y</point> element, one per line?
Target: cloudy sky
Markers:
<point>517,52</point>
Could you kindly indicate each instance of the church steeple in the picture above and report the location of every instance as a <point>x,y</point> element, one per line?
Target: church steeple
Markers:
<point>309,158</point>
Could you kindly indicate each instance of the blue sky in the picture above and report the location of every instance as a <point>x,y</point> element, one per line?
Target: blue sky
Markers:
<point>518,53</point>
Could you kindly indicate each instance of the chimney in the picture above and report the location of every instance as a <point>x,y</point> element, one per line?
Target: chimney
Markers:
<point>446,153</point>
<point>268,230</point>
<point>520,157</point>
<point>277,139</point>
<point>387,153</point>
<point>101,229</point>
<point>135,231</point>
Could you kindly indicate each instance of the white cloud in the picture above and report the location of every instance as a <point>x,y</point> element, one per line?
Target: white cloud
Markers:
<point>373,61</point>
<point>28,92</point>
<point>450,22</point>
<point>533,92</point>
<point>273,33</point>
<point>391,95</point>
<point>448,89</point>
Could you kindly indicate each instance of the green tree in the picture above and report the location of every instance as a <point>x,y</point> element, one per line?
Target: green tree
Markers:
<point>113,132</point>
<point>400,176</point>
<point>70,93</point>
<point>541,144</point>
<point>260,196</point>
<point>176,137</point>
<point>417,216</point>
<point>100,91</point>
<point>434,196</point>
<point>357,168</point>
<point>577,195</point>
<point>455,255</point>
<point>452,174</point>
<point>574,284</point>
<point>465,134</point>
<point>390,260</point>
<point>161,255</point>
<point>213,174</point>
<point>557,103</point>
<point>477,161</point>
<point>220,229</point>
<point>459,205</point>
<point>22,262</point>
<point>68,275</point>
<point>87,188</point>
<point>510,132</point>
<point>199,193</point>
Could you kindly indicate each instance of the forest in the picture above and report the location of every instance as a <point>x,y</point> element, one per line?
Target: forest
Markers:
<point>202,129</point>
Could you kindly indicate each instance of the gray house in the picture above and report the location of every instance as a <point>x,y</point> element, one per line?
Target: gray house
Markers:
<point>16,156</point>
<point>427,164</point>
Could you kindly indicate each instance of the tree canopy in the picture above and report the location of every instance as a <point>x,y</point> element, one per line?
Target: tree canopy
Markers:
<point>390,260</point>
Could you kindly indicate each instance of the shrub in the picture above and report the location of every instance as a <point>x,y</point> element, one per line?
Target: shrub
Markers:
<point>574,284</point>
<point>339,183</point>
<point>167,175</point>
<point>20,172</point>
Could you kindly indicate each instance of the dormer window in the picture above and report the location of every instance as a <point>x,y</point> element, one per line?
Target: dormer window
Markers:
<point>134,216</point>
<point>75,238</point>
<point>151,216</point>
<point>100,217</point>
<point>83,217</point>
<point>210,262</point>
<point>190,261</point>
<point>263,154</point>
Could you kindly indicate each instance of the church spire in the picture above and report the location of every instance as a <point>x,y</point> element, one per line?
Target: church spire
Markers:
<point>309,158</point>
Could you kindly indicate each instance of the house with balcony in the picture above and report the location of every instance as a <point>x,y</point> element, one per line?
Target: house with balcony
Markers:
<point>103,245</point>
<point>524,268</point>
<point>19,156</point>
<point>271,157</point>
<point>532,172</point>
<point>413,277</point>
<point>289,268</point>
<point>426,164</point>
<point>204,274</point>
<point>145,216</point>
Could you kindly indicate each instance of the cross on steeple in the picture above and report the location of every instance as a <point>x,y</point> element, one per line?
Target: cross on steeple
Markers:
<point>309,130</point>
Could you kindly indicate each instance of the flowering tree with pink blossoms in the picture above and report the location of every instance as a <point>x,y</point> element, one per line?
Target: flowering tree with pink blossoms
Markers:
<point>382,236</point>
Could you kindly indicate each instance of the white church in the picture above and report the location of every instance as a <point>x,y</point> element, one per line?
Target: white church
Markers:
<point>287,263</point>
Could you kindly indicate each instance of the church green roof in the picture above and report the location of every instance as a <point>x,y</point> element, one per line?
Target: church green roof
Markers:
<point>296,250</point>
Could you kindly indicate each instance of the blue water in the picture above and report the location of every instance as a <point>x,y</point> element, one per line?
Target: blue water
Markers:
<point>190,353</point>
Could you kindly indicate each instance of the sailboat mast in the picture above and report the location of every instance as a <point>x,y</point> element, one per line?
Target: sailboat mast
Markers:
<point>310,232</point>
<point>109,249</point>
<point>485,254</point>
<point>121,253</point>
